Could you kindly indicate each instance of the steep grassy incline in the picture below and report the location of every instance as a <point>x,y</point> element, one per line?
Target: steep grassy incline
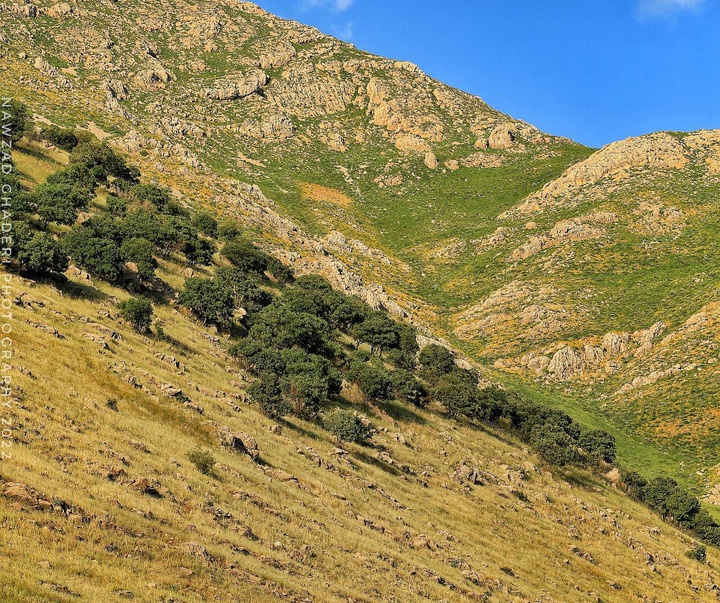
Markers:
<point>100,501</point>
<point>585,278</point>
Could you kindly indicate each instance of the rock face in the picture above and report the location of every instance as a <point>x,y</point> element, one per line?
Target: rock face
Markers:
<point>657,151</point>
<point>233,89</point>
<point>502,137</point>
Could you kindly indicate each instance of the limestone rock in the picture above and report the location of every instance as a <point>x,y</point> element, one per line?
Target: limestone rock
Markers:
<point>566,364</point>
<point>60,10</point>
<point>232,89</point>
<point>502,137</point>
<point>431,161</point>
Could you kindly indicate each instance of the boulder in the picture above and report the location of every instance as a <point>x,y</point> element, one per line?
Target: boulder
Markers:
<point>502,137</point>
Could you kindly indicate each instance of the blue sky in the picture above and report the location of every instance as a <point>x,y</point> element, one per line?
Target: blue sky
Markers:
<point>593,70</point>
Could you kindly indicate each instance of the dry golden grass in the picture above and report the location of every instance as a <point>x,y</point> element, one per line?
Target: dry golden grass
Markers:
<point>364,530</point>
<point>325,194</point>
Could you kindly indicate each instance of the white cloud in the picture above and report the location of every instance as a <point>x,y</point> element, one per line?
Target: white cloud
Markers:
<point>343,32</point>
<point>336,6</point>
<point>649,9</point>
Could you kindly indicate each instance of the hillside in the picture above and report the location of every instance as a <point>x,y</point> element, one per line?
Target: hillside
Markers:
<point>509,242</point>
<point>102,498</point>
<point>576,278</point>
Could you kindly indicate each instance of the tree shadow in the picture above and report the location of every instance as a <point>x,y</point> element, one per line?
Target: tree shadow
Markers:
<point>402,413</point>
<point>82,291</point>
<point>369,460</point>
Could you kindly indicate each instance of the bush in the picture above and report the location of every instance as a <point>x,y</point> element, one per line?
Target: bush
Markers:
<point>634,483</point>
<point>140,252</point>
<point>346,426</point>
<point>102,161</point>
<point>138,312</point>
<point>599,444</point>
<point>116,206</point>
<point>378,331</point>
<point>245,288</point>
<point>436,361</point>
<point>206,224</point>
<point>408,388</point>
<point>245,256</point>
<point>62,138</point>
<point>698,553</point>
<point>60,203</point>
<point>374,381</point>
<point>17,123</point>
<point>228,230</point>
<point>553,444</point>
<point>39,253</point>
<point>458,394</point>
<point>682,507</point>
<point>152,194</point>
<point>202,459</point>
<point>279,327</point>
<point>100,257</point>
<point>265,392</point>
<point>657,492</point>
<point>209,299</point>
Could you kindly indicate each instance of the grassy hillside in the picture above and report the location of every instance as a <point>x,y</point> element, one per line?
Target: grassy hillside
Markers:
<point>100,499</point>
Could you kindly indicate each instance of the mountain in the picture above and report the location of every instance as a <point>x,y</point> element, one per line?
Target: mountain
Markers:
<point>581,278</point>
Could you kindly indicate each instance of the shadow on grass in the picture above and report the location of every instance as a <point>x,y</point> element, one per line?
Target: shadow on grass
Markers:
<point>81,291</point>
<point>577,477</point>
<point>369,460</point>
<point>402,413</point>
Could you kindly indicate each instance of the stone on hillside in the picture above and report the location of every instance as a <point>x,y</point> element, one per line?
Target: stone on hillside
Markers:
<point>25,497</point>
<point>241,442</point>
<point>232,89</point>
<point>566,364</point>
<point>502,137</point>
<point>430,160</point>
<point>29,10</point>
<point>153,77</point>
<point>278,57</point>
<point>60,10</point>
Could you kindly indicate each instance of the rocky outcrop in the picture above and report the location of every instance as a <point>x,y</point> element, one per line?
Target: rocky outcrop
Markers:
<point>657,151</point>
<point>275,127</point>
<point>502,137</point>
<point>153,77</point>
<point>310,93</point>
<point>278,57</point>
<point>565,231</point>
<point>232,89</point>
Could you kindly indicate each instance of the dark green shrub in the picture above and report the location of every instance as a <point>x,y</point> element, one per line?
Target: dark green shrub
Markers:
<point>39,253</point>
<point>265,392</point>
<point>60,203</point>
<point>17,122</point>
<point>206,224</point>
<point>209,299</point>
<point>458,394</point>
<point>99,256</point>
<point>153,194</point>
<point>435,361</point>
<point>245,256</point>
<point>138,312</point>
<point>63,138</point>
<point>698,553</point>
<point>229,230</point>
<point>378,331</point>
<point>140,252</point>
<point>346,426</point>
<point>202,459</point>
<point>553,444</point>
<point>599,444</point>
<point>116,206</point>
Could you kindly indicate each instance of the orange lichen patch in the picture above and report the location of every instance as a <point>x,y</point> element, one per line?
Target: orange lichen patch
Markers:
<point>316,192</point>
